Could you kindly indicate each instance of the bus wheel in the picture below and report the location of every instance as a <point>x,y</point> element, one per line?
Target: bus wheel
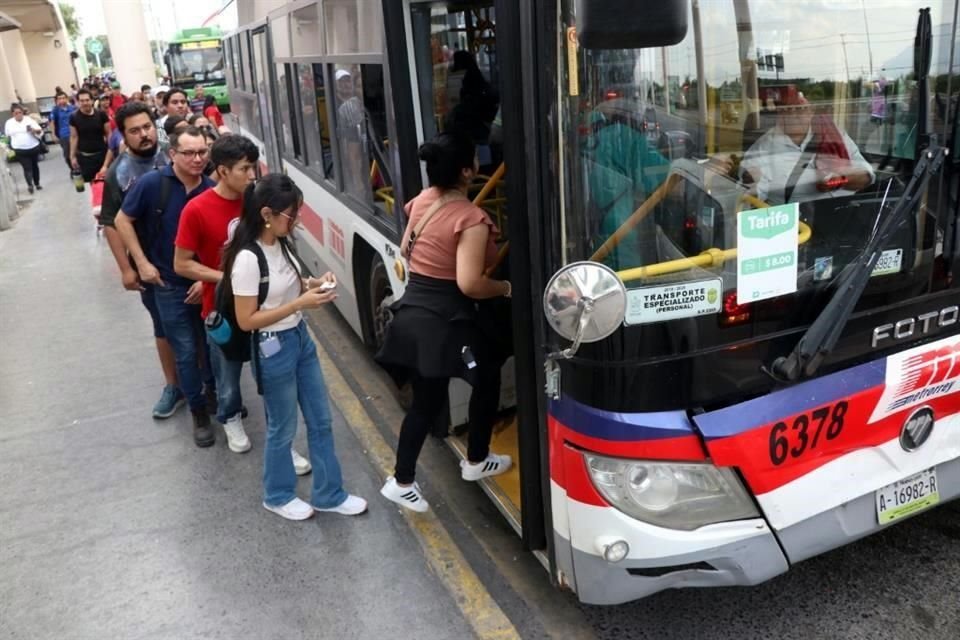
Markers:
<point>380,298</point>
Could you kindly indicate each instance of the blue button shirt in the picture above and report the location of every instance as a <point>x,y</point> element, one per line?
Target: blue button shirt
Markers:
<point>158,235</point>
<point>60,117</point>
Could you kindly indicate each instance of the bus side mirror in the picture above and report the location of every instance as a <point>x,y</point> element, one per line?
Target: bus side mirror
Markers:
<point>584,302</point>
<point>630,24</point>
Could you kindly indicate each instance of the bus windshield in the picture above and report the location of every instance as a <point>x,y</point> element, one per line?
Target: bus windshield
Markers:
<point>733,177</point>
<point>190,64</point>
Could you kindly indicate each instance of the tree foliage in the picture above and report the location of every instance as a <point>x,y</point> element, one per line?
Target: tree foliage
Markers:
<point>70,20</point>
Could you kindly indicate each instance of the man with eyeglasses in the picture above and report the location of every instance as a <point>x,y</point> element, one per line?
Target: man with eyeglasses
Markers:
<point>141,156</point>
<point>148,222</point>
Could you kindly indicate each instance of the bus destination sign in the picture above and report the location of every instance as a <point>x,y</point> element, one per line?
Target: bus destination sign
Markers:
<point>202,44</point>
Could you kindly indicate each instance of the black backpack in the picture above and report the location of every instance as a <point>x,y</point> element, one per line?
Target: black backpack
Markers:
<point>238,347</point>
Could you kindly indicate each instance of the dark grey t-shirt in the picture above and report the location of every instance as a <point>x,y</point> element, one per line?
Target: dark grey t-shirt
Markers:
<point>122,175</point>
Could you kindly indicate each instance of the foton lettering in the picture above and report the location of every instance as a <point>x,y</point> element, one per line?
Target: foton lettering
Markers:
<point>922,324</point>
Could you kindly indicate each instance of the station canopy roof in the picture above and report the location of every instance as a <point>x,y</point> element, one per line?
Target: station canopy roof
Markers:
<point>28,15</point>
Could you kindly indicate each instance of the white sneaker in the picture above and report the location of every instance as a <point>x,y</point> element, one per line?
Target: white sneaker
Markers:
<point>495,464</point>
<point>409,497</point>
<point>352,506</point>
<point>237,438</point>
<point>296,509</point>
<point>300,464</point>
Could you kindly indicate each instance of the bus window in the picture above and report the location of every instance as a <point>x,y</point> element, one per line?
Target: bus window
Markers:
<point>353,26</point>
<point>768,106</point>
<point>288,112</point>
<point>455,58</point>
<point>313,103</point>
<point>361,125</point>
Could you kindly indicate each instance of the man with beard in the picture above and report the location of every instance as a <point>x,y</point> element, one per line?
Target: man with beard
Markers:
<point>141,156</point>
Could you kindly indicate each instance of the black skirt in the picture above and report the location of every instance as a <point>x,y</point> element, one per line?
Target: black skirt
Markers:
<point>433,333</point>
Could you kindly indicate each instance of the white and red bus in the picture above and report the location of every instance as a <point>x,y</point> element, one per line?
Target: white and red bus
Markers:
<point>732,241</point>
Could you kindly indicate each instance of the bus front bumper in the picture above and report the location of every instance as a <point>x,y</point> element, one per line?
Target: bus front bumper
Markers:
<point>744,552</point>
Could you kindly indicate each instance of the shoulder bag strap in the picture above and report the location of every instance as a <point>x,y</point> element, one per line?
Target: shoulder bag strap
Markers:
<point>264,273</point>
<point>446,198</point>
<point>157,227</point>
<point>261,298</point>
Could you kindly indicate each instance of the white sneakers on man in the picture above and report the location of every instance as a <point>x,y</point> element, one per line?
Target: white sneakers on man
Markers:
<point>495,464</point>
<point>300,464</point>
<point>408,497</point>
<point>237,438</point>
<point>296,509</point>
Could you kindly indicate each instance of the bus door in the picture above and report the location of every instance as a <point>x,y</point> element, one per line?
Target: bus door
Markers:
<point>458,84</point>
<point>265,110</point>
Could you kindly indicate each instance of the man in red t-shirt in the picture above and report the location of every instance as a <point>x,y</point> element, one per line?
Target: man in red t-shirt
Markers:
<point>204,226</point>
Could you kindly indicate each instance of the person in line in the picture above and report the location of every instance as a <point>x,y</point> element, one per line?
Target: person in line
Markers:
<point>284,356</point>
<point>24,134</point>
<point>213,114</point>
<point>60,121</point>
<point>175,103</point>
<point>112,99</point>
<point>200,121</point>
<point>159,111</point>
<point>144,216</point>
<point>199,100</point>
<point>89,133</point>
<point>805,157</point>
<point>434,335</point>
<point>171,124</point>
<point>141,156</point>
<point>201,236</point>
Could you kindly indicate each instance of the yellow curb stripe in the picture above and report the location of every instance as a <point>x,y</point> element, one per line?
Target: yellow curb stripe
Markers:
<point>444,558</point>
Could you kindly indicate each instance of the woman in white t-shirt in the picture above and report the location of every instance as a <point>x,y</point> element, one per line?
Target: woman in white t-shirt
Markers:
<point>284,357</point>
<point>24,134</point>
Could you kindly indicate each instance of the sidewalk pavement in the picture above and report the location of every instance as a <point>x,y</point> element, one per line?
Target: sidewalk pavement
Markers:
<point>114,525</point>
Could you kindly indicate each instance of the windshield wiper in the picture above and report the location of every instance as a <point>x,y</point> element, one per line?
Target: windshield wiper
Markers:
<point>822,336</point>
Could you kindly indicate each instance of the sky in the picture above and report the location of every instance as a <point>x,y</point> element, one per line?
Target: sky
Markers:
<point>163,17</point>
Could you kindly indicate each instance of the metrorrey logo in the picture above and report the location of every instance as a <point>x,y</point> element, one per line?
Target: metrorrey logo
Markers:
<point>767,223</point>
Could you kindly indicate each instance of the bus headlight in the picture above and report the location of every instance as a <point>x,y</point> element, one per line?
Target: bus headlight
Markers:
<point>670,494</point>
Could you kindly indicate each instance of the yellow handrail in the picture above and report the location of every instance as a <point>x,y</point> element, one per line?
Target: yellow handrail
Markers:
<point>491,184</point>
<point>712,257</point>
<point>635,218</point>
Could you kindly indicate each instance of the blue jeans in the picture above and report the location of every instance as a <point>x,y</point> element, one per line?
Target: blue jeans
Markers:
<point>185,333</point>
<point>290,377</point>
<point>227,374</point>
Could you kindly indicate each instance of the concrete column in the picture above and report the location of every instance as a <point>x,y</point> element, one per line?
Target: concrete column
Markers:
<point>7,95</point>
<point>19,66</point>
<point>129,44</point>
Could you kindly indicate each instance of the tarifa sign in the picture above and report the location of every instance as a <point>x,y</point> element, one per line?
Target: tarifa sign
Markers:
<point>767,252</point>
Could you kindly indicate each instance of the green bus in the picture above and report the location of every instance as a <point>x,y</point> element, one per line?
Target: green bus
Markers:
<point>195,58</point>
